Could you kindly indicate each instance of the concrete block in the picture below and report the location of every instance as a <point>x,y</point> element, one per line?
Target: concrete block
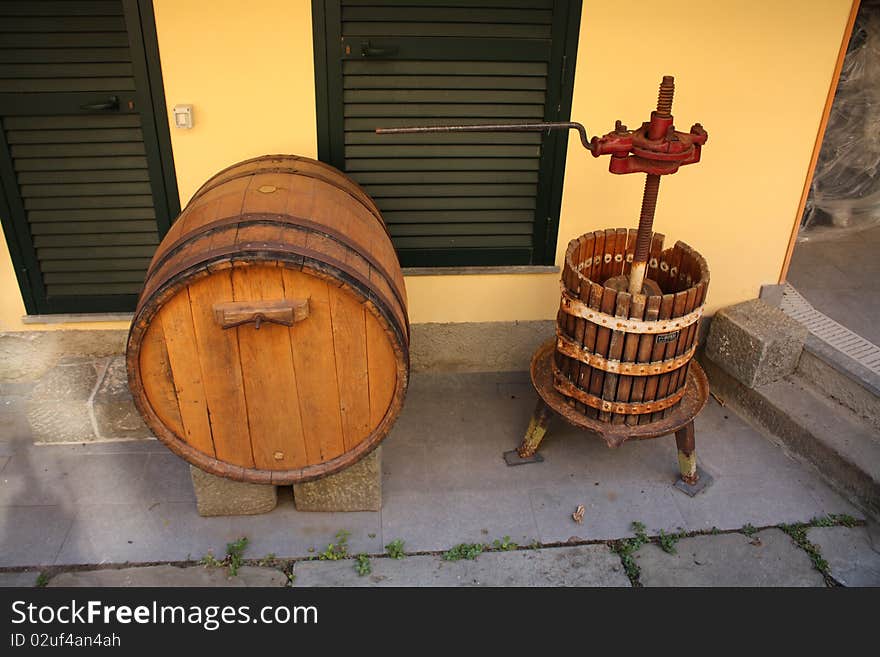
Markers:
<point>769,558</point>
<point>115,412</point>
<point>171,576</point>
<point>217,496</point>
<point>58,409</point>
<point>477,346</point>
<point>852,558</point>
<point>582,565</point>
<point>357,488</point>
<point>755,342</point>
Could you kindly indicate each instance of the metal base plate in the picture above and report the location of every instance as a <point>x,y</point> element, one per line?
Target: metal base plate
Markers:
<point>702,484</point>
<point>513,458</point>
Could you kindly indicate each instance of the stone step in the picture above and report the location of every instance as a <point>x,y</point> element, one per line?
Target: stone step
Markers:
<point>842,378</point>
<point>841,445</point>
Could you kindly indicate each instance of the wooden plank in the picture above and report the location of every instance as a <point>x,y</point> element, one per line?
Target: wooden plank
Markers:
<point>119,276</point>
<point>96,239</point>
<point>608,259</point>
<point>454,68</point>
<point>463,241</point>
<point>270,384</point>
<point>458,190</point>
<point>446,15</point>
<point>437,150</point>
<point>80,227</point>
<point>39,163</point>
<point>615,348</point>
<point>368,178</point>
<point>177,328</point>
<point>512,82</point>
<point>382,369</point>
<point>77,136</point>
<point>678,309</point>
<point>443,164</point>
<point>657,351</point>
<point>439,110</point>
<point>64,70</point>
<point>74,150</point>
<point>315,366</point>
<point>158,380</point>
<point>643,355</point>
<point>82,202</point>
<point>86,189</point>
<point>350,344</point>
<point>607,303</point>
<point>49,85</point>
<point>630,353</point>
<point>220,361</point>
<point>446,30</point>
<point>591,343</point>
<point>92,214</point>
<point>452,203</point>
<point>463,96</point>
<point>92,289</point>
<point>67,177</point>
<point>106,265</point>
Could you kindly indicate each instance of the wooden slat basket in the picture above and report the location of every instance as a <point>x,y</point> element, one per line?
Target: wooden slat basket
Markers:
<point>623,358</point>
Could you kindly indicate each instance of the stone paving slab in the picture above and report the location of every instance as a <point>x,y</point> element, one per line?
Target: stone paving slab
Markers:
<point>853,557</point>
<point>24,578</point>
<point>444,482</point>
<point>58,407</point>
<point>115,413</point>
<point>583,565</point>
<point>171,576</point>
<point>769,558</point>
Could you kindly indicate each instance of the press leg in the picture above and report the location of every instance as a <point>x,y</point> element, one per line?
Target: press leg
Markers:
<point>527,451</point>
<point>687,454</point>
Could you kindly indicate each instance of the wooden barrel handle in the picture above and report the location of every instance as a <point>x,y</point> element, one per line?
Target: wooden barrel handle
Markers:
<point>284,311</point>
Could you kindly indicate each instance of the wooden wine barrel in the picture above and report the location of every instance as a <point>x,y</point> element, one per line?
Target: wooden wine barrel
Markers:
<point>270,343</point>
<point>623,358</point>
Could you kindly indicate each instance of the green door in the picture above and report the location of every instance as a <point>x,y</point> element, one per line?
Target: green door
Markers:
<point>451,198</point>
<point>88,185</point>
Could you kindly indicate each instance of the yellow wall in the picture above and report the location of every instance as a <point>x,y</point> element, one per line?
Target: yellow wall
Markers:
<point>755,73</point>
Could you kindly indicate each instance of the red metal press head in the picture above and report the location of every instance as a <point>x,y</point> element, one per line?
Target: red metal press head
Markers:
<point>656,147</point>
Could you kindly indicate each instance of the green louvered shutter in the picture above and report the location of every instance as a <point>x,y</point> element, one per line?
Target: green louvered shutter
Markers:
<point>82,183</point>
<point>451,199</point>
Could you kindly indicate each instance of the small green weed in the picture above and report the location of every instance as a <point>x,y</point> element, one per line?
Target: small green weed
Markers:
<point>798,533</point>
<point>504,544</point>
<point>667,541</point>
<point>834,520</point>
<point>748,530</point>
<point>395,549</point>
<point>362,565</point>
<point>233,560</point>
<point>42,580</point>
<point>464,551</point>
<point>235,553</point>
<point>337,550</point>
<point>210,561</point>
<point>626,549</point>
<point>268,560</point>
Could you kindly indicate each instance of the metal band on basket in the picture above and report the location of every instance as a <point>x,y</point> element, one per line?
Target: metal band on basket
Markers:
<point>567,347</point>
<point>578,308</point>
<point>567,388</point>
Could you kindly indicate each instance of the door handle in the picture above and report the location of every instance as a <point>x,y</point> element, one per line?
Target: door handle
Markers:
<point>367,50</point>
<point>112,103</point>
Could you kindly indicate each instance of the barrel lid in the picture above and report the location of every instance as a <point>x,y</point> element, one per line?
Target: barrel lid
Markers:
<point>267,371</point>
